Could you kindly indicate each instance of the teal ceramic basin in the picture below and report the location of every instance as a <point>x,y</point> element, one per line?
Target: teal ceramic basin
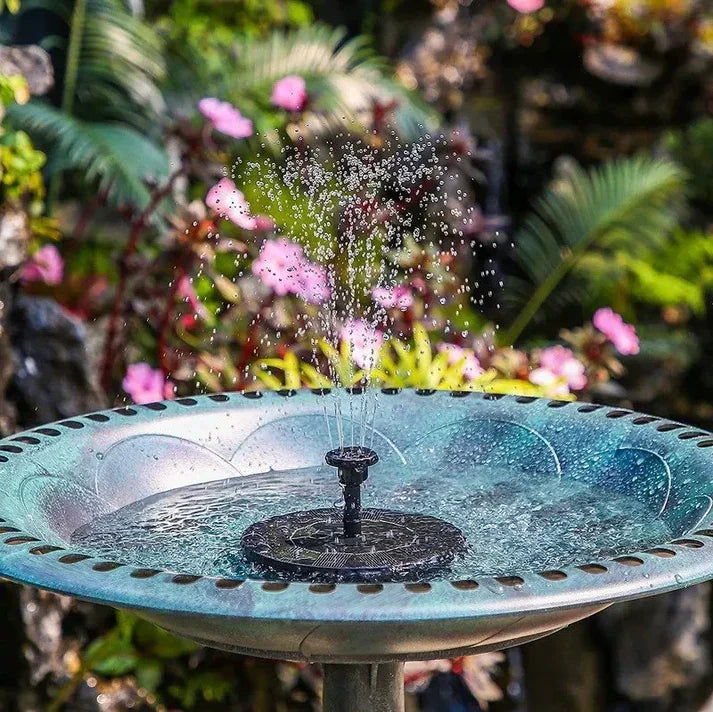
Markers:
<point>565,507</point>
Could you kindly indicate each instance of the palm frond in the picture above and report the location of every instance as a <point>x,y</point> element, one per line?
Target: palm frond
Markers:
<point>346,76</point>
<point>118,56</point>
<point>629,204</point>
<point>114,157</point>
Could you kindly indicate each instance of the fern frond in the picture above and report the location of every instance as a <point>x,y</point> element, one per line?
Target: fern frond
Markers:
<point>346,76</point>
<point>630,203</point>
<point>117,56</point>
<point>116,158</point>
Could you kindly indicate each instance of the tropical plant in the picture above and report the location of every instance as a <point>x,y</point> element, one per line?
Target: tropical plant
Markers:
<point>199,34</point>
<point>692,149</point>
<point>348,81</point>
<point>110,100</point>
<point>630,204</point>
<point>113,158</point>
<point>399,364</point>
<point>676,274</point>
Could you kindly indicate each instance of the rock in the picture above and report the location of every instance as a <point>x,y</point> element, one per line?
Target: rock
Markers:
<point>51,379</point>
<point>14,236</point>
<point>31,62</point>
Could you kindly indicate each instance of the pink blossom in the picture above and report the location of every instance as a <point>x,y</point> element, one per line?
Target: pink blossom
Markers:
<point>283,266</point>
<point>621,334</point>
<point>313,283</point>
<point>364,341</point>
<point>471,365</point>
<point>290,93</point>
<point>564,364</point>
<point>229,202</point>
<point>559,371</point>
<point>225,117</point>
<point>399,297</point>
<point>264,223</point>
<point>46,265</point>
<point>186,292</point>
<point>278,265</point>
<point>145,384</point>
<point>526,5</point>
<point>555,385</point>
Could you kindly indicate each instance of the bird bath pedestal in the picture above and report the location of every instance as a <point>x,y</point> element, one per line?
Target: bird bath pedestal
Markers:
<point>487,522</point>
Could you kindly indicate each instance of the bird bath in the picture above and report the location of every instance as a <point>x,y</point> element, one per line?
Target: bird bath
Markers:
<point>500,520</point>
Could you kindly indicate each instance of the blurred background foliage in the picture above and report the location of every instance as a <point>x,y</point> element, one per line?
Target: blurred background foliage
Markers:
<point>577,135</point>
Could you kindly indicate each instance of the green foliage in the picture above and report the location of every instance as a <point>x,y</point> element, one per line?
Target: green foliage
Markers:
<point>136,646</point>
<point>307,218</point>
<point>20,165</point>
<point>202,687</point>
<point>114,62</point>
<point>13,90</point>
<point>693,148</point>
<point>115,158</point>
<point>399,364</point>
<point>110,101</point>
<point>20,162</point>
<point>405,365</point>
<point>290,372</point>
<point>345,77</point>
<point>203,30</point>
<point>628,204</point>
<point>678,273</point>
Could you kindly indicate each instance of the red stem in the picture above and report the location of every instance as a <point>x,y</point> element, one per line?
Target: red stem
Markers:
<point>165,323</point>
<point>137,227</point>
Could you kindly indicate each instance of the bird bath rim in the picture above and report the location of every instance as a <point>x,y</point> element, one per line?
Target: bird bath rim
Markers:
<point>553,597</point>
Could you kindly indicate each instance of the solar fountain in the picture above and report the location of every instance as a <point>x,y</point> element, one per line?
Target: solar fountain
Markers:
<point>462,522</point>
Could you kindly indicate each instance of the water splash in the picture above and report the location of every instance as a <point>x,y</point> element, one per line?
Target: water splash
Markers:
<point>514,523</point>
<point>353,207</point>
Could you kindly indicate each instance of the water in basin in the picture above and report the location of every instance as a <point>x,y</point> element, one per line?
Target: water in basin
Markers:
<point>514,522</point>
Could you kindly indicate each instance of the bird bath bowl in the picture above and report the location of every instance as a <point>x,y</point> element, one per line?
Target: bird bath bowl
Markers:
<point>540,513</point>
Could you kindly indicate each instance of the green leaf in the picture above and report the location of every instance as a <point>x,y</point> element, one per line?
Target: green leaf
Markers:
<point>629,204</point>
<point>344,76</point>
<point>111,656</point>
<point>115,62</point>
<point>109,156</point>
<point>149,674</point>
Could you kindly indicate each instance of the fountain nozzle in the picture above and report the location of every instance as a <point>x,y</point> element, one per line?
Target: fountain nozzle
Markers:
<point>353,464</point>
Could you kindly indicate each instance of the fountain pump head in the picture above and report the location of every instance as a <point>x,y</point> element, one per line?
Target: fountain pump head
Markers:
<point>353,463</point>
<point>360,545</point>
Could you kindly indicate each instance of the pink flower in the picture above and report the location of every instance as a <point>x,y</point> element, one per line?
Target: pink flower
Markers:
<point>283,266</point>
<point>621,334</point>
<point>471,366</point>
<point>229,202</point>
<point>364,341</point>
<point>290,93</point>
<point>46,265</point>
<point>559,364</point>
<point>563,363</point>
<point>186,292</point>
<point>278,265</point>
<point>313,283</point>
<point>555,385</point>
<point>526,5</point>
<point>399,297</point>
<point>145,384</point>
<point>225,117</point>
<point>264,223</point>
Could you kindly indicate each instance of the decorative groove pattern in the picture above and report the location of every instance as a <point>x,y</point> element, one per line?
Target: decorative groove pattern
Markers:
<point>10,450</point>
